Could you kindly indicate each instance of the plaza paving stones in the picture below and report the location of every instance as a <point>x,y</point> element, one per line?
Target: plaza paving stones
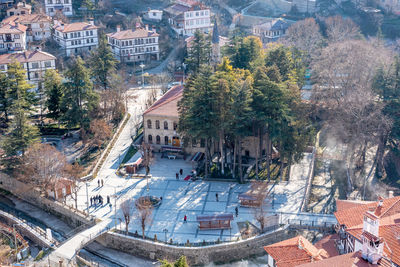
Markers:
<point>189,198</point>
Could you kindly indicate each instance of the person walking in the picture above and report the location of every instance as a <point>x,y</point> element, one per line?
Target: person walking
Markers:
<point>236,211</point>
<point>98,183</point>
<point>177,176</point>
<point>185,219</point>
<point>108,199</point>
<point>181,171</point>
<point>91,201</point>
<point>102,182</point>
<point>110,207</point>
<point>216,196</point>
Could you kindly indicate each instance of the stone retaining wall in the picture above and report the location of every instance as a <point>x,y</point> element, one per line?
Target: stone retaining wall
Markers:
<point>226,252</point>
<point>30,195</point>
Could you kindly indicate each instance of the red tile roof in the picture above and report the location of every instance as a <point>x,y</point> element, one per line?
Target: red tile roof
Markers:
<point>346,204</point>
<point>294,251</point>
<point>167,105</point>
<point>26,56</point>
<point>346,260</point>
<point>132,34</point>
<point>27,18</point>
<point>14,28</point>
<point>76,26</point>
<point>327,243</point>
<point>388,214</point>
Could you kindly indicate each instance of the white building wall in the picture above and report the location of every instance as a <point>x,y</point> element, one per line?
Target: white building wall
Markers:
<point>78,41</point>
<point>16,42</point>
<point>63,5</point>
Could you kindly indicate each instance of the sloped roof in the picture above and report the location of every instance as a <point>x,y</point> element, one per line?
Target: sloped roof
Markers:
<point>346,260</point>
<point>294,251</point>
<point>76,26</point>
<point>26,56</point>
<point>346,204</point>
<point>27,18</point>
<point>14,28</point>
<point>275,24</point>
<point>131,34</point>
<point>167,105</point>
<point>327,243</point>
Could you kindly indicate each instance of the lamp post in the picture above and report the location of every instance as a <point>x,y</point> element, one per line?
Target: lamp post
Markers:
<point>15,238</point>
<point>142,66</point>
<point>165,232</point>
<point>87,198</point>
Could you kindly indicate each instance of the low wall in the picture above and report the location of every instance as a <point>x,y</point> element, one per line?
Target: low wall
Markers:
<point>226,252</point>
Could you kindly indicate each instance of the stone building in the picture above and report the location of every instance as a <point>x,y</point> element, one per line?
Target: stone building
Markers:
<point>272,30</point>
<point>136,45</point>
<point>160,128</point>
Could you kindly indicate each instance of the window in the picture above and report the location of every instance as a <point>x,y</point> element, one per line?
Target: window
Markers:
<point>2,67</point>
<point>158,139</point>
<point>17,45</point>
<point>50,2</point>
<point>157,124</point>
<point>16,36</point>
<point>150,138</point>
<point>166,140</point>
<point>67,9</point>
<point>197,14</point>
<point>47,64</point>
<point>130,42</point>
<point>194,142</point>
<point>149,124</point>
<point>51,10</point>
<point>175,126</point>
<point>1,45</point>
<point>91,33</point>
<point>66,1</point>
<point>165,125</point>
<point>202,142</point>
<point>36,74</point>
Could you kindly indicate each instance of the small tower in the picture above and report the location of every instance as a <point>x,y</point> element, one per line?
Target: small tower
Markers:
<point>216,50</point>
<point>372,244</point>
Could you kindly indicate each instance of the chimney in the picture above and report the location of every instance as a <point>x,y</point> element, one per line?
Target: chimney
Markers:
<point>390,194</point>
<point>23,4</point>
<point>380,201</point>
<point>91,22</point>
<point>147,27</point>
<point>118,28</point>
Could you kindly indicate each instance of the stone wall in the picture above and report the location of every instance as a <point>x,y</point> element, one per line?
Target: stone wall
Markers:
<point>32,195</point>
<point>226,252</point>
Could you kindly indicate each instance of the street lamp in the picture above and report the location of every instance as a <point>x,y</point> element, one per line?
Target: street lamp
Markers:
<point>87,198</point>
<point>165,232</point>
<point>142,66</point>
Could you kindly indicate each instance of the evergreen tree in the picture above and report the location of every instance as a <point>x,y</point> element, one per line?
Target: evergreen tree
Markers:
<point>22,134</point>
<point>247,53</point>
<point>102,63</point>
<point>196,116</point>
<point>199,52</point>
<point>79,100</point>
<point>54,90</point>
<point>4,100</point>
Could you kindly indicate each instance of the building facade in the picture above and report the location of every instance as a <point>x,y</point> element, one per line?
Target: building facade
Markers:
<point>272,30</point>
<point>185,17</point>
<point>21,8</point>
<point>58,6</point>
<point>38,26</point>
<point>12,37</point>
<point>153,14</point>
<point>34,62</point>
<point>76,38</point>
<point>134,45</point>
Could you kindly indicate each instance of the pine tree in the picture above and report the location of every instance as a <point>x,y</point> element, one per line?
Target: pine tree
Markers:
<point>199,52</point>
<point>4,100</point>
<point>102,63</point>
<point>79,100</point>
<point>54,90</point>
<point>22,133</point>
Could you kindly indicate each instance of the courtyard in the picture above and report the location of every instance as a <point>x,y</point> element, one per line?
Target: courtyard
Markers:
<point>191,198</point>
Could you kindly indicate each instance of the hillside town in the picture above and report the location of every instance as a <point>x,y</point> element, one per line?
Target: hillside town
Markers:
<point>199,133</point>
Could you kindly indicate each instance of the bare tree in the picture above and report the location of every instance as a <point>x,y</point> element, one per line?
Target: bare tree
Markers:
<point>127,209</point>
<point>100,131</point>
<point>145,210</point>
<point>74,173</point>
<point>304,35</point>
<point>151,97</point>
<point>146,151</point>
<point>43,165</point>
<point>339,29</point>
<point>259,191</point>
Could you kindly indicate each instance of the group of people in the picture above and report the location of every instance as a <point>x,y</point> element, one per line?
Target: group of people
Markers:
<point>177,174</point>
<point>100,182</point>
<point>97,200</point>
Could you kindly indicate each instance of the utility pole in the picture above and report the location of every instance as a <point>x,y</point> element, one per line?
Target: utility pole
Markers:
<point>87,198</point>
<point>142,66</point>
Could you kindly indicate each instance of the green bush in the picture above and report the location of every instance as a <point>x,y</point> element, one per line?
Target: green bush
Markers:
<point>181,262</point>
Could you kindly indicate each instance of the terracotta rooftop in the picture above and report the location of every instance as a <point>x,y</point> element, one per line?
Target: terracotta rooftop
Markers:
<point>167,105</point>
<point>132,34</point>
<point>26,56</point>
<point>388,213</point>
<point>27,18</point>
<point>346,260</point>
<point>327,243</point>
<point>14,28</point>
<point>76,26</point>
<point>294,252</point>
<point>346,204</point>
